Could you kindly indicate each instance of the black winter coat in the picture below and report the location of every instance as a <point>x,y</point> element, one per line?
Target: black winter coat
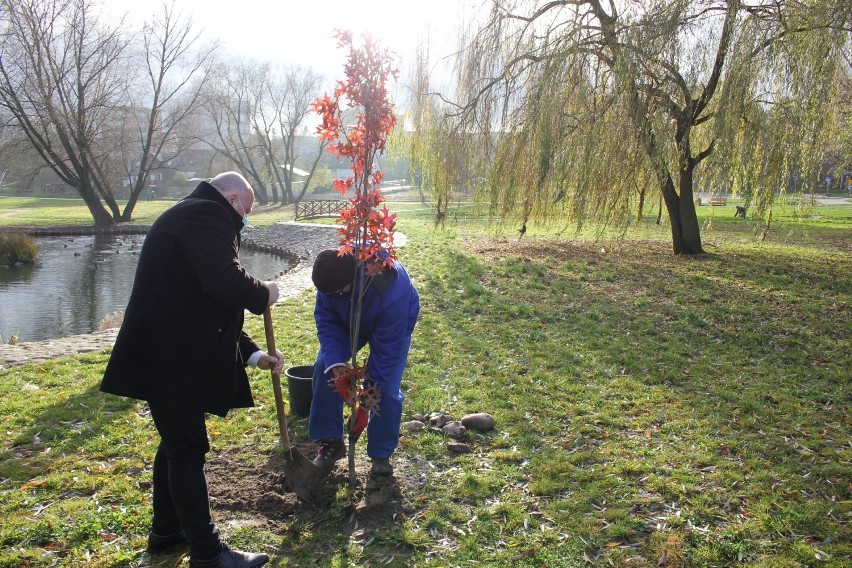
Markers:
<point>182,343</point>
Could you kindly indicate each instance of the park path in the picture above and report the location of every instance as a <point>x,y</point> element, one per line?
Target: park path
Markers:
<point>10,214</point>
<point>303,239</point>
<point>825,200</point>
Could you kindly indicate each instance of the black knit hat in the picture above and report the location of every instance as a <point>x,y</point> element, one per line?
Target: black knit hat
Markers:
<point>332,272</point>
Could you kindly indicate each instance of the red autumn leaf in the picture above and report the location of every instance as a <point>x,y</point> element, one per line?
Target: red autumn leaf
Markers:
<point>342,384</point>
<point>356,427</point>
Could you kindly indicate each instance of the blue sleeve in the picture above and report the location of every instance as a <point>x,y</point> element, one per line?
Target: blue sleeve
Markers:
<point>332,332</point>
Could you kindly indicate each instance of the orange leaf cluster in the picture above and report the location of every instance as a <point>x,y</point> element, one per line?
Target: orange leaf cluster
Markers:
<point>357,422</point>
<point>345,382</point>
<point>364,231</point>
<point>362,400</point>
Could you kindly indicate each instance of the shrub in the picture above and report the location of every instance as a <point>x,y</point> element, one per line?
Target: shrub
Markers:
<point>17,247</point>
<point>111,321</point>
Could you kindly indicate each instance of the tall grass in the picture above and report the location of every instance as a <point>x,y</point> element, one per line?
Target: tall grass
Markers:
<point>17,248</point>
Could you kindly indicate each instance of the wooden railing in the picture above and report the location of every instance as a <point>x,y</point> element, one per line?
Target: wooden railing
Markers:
<point>319,208</point>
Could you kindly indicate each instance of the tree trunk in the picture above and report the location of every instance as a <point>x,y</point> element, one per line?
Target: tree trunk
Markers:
<point>765,232</point>
<point>686,234</point>
<point>100,215</point>
<point>690,230</point>
<point>310,174</point>
<point>127,214</point>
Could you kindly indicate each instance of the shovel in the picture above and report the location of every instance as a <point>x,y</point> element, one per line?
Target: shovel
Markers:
<point>302,475</point>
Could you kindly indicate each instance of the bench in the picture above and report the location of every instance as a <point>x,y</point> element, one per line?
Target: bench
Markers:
<point>718,200</point>
<point>319,208</point>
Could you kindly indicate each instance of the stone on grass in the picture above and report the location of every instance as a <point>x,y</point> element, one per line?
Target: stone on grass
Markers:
<point>438,420</point>
<point>419,418</point>
<point>414,425</point>
<point>454,429</point>
<point>480,422</point>
<point>457,448</point>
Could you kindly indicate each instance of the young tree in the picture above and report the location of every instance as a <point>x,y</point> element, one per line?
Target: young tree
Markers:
<point>570,106</point>
<point>365,231</point>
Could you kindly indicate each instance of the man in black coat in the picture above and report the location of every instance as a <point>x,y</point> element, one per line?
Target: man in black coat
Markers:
<point>182,349</point>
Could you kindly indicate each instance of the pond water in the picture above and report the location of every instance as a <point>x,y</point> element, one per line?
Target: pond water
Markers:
<point>78,281</point>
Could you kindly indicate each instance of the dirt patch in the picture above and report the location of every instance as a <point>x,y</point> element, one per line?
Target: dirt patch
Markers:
<point>256,488</point>
<point>250,490</point>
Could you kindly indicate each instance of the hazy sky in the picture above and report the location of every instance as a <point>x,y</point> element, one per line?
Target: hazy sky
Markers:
<point>300,31</point>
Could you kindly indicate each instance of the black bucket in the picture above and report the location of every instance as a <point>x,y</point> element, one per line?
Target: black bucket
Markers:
<point>300,388</point>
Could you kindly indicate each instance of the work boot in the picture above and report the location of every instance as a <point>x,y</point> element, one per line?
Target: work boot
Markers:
<point>166,544</point>
<point>381,467</point>
<point>330,451</point>
<point>231,559</point>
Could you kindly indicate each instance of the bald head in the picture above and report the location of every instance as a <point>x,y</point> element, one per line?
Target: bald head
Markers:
<point>231,182</point>
<point>236,189</point>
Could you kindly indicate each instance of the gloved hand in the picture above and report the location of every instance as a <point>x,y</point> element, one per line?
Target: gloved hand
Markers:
<point>357,422</point>
<point>272,286</point>
<point>342,381</point>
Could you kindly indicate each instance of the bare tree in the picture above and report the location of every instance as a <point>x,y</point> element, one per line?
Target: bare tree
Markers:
<point>231,104</point>
<point>257,111</point>
<point>61,75</point>
<point>70,84</point>
<point>176,75</point>
<point>571,106</point>
<point>291,95</point>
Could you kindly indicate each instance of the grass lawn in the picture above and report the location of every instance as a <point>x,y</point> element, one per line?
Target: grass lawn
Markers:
<point>651,410</point>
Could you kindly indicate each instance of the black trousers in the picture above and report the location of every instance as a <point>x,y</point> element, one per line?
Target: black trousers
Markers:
<point>180,487</point>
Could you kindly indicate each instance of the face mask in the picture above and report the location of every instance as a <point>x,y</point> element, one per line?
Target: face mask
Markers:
<point>245,215</point>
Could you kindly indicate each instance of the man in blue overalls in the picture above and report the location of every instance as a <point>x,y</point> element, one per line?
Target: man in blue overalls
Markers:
<point>389,310</point>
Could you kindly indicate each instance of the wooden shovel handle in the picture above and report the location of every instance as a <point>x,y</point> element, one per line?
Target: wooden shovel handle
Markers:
<point>276,382</point>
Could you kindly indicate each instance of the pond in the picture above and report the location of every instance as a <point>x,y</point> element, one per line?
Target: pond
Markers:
<point>78,281</point>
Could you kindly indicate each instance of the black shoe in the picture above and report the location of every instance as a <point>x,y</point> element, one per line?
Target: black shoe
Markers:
<point>330,452</point>
<point>381,467</point>
<point>231,559</point>
<point>168,544</point>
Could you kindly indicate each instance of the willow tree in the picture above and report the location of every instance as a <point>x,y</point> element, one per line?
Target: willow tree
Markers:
<point>570,109</point>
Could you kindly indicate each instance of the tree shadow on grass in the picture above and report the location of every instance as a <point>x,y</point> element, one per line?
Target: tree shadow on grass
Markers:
<point>63,427</point>
<point>679,367</point>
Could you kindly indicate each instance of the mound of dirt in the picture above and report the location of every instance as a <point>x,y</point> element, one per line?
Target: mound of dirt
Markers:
<point>257,489</point>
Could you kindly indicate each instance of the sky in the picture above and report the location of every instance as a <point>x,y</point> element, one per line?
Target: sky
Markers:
<point>301,31</point>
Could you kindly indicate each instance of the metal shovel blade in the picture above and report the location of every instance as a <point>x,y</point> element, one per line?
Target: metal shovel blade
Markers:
<point>301,474</point>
